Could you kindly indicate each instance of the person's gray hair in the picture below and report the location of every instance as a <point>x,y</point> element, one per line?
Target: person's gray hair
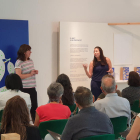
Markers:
<point>55,91</point>
<point>111,88</point>
<point>83,96</point>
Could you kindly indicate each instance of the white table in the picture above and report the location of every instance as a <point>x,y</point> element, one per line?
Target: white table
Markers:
<point>121,84</point>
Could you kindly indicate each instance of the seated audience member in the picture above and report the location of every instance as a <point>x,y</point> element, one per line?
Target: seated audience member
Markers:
<point>89,121</point>
<point>135,129</point>
<point>13,84</point>
<point>132,93</point>
<point>54,110</point>
<point>67,97</point>
<point>102,95</point>
<point>112,105</point>
<point>16,120</point>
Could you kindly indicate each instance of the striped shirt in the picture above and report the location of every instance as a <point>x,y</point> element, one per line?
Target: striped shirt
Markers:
<point>26,67</point>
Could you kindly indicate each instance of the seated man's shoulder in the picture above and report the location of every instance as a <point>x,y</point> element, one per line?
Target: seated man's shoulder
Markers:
<point>103,116</point>
<point>123,99</point>
<point>102,101</point>
<point>76,119</point>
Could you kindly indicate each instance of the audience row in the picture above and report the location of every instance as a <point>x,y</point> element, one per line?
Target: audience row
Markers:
<point>92,119</point>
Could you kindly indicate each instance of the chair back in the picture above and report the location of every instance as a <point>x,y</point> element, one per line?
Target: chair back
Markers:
<point>135,107</point>
<point>1,113</point>
<point>56,126</point>
<point>72,108</point>
<point>10,136</point>
<point>119,125</point>
<point>100,137</point>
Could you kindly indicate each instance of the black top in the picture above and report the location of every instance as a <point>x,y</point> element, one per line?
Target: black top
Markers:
<point>32,133</point>
<point>131,94</point>
<point>99,71</point>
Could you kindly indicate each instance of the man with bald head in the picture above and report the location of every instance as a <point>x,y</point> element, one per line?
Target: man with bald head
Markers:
<point>112,105</point>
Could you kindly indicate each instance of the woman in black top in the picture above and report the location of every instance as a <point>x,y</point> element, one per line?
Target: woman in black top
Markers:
<point>16,120</point>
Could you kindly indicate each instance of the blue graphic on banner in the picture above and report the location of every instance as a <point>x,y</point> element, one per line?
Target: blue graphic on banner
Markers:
<point>125,73</point>
<point>138,70</point>
<point>13,33</point>
<point>113,72</point>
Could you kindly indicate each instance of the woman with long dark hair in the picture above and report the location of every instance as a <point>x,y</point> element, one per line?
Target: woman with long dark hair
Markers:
<point>67,97</point>
<point>15,119</point>
<point>99,67</point>
<point>24,67</point>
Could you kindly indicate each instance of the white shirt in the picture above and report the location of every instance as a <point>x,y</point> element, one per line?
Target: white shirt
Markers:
<point>5,96</point>
<point>138,115</point>
<point>114,106</point>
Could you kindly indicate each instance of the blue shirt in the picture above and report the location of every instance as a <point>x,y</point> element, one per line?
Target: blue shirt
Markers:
<point>114,106</point>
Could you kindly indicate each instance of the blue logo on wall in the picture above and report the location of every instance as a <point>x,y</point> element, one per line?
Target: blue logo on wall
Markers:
<point>13,33</point>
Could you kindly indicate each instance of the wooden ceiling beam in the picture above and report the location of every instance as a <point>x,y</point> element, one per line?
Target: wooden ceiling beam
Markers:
<point>136,23</point>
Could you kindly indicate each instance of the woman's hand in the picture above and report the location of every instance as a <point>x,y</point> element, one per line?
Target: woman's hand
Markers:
<point>24,76</point>
<point>85,66</point>
<point>110,70</point>
<point>89,74</point>
<point>33,72</point>
<point>36,71</point>
<point>109,65</point>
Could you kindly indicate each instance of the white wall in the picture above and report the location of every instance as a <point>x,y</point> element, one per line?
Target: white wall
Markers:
<point>44,17</point>
<point>96,34</point>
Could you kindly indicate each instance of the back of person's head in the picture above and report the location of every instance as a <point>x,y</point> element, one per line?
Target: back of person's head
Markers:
<point>108,84</point>
<point>55,91</point>
<point>15,117</point>
<point>83,96</point>
<point>67,97</point>
<point>13,82</point>
<point>134,79</point>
